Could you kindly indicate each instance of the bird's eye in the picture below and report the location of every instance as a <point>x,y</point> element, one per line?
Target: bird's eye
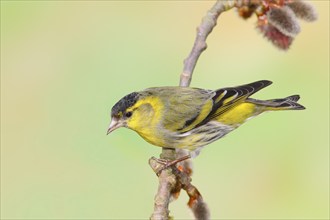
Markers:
<point>128,114</point>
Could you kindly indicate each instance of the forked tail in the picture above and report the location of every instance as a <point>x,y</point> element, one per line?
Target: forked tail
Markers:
<point>288,103</point>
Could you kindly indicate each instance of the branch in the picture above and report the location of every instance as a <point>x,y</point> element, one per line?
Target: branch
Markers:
<point>167,181</point>
<point>172,180</point>
<point>203,30</point>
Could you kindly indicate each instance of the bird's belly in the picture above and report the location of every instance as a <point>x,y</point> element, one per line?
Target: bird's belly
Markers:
<point>201,136</point>
<point>190,140</point>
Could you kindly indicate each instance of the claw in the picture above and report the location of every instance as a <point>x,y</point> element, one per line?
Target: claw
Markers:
<point>168,163</point>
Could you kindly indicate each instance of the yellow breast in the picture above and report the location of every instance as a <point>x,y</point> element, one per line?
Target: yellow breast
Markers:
<point>146,119</point>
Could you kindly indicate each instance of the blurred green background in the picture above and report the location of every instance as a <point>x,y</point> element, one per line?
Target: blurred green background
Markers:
<point>65,64</point>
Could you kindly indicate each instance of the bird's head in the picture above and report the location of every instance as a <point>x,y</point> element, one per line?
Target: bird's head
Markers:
<point>122,112</point>
<point>135,111</point>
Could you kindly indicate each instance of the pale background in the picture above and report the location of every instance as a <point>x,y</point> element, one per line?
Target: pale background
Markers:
<point>65,64</point>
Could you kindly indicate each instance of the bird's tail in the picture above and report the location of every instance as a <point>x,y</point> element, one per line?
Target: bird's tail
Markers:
<point>288,103</point>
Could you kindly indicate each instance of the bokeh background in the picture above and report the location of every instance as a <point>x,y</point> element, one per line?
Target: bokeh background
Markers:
<point>64,64</point>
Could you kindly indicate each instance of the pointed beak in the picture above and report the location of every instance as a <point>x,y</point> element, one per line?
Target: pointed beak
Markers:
<point>114,124</point>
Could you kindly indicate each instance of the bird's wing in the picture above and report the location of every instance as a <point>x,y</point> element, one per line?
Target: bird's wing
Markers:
<point>227,98</point>
<point>185,108</point>
<point>188,108</point>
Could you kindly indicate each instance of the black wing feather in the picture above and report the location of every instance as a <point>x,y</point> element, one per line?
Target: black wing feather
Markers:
<point>235,95</point>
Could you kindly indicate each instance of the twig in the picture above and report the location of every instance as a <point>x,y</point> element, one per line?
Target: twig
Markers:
<point>172,180</point>
<point>204,29</point>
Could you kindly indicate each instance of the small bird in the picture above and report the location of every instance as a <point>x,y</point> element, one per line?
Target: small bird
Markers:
<point>190,118</point>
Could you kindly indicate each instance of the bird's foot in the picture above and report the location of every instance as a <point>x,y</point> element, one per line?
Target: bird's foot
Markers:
<point>168,163</point>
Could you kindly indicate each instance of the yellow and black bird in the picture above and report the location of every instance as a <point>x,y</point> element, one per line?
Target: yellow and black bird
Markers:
<point>190,118</point>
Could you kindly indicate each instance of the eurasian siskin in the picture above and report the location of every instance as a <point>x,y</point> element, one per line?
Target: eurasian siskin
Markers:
<point>190,118</point>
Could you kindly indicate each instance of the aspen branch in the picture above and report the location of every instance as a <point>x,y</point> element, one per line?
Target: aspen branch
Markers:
<point>172,180</point>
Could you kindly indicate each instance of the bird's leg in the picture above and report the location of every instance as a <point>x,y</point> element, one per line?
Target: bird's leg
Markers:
<point>168,163</point>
